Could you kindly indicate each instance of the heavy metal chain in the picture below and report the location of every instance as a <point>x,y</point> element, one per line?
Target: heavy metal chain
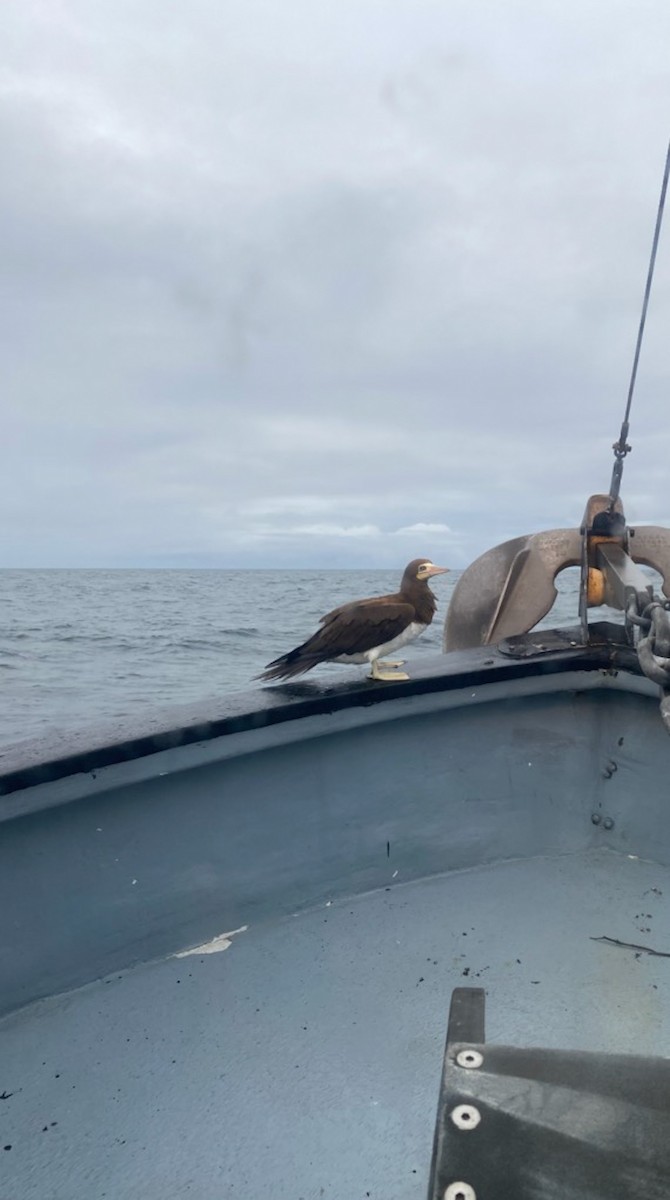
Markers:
<point>653,646</point>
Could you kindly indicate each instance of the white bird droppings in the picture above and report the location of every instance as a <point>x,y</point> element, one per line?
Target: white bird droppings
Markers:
<point>217,944</point>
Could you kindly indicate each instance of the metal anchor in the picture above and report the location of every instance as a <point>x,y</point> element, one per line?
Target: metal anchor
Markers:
<point>510,588</point>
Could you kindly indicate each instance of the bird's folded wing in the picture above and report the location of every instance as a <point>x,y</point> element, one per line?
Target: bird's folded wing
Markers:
<point>355,628</point>
<point>367,605</point>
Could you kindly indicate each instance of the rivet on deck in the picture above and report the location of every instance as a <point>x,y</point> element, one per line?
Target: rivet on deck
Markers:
<point>470,1059</point>
<point>466,1116</point>
<point>460,1191</point>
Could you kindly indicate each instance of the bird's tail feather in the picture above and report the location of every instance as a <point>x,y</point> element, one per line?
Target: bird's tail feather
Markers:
<point>296,662</point>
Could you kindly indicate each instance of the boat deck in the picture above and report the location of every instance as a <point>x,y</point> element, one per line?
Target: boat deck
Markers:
<point>304,1060</point>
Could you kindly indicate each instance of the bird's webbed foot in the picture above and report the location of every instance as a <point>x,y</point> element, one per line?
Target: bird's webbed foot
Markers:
<point>385,676</point>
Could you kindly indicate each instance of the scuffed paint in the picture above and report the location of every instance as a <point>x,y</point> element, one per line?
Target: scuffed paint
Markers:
<point>217,944</point>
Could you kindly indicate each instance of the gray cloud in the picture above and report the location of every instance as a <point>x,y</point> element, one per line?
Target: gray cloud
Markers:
<point>325,284</point>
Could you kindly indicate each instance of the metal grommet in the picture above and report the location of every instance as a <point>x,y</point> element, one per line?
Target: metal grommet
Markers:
<point>470,1059</point>
<point>460,1191</point>
<point>466,1116</point>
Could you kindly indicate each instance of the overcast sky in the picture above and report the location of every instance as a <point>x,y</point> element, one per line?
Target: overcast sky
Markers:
<point>326,282</point>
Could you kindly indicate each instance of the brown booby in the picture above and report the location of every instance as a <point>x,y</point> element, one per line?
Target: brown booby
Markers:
<point>364,630</point>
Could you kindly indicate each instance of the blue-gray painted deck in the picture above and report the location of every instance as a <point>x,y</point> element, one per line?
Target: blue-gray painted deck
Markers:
<point>304,1061</point>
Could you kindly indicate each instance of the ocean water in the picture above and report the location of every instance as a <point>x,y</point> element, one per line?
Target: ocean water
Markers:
<point>80,647</point>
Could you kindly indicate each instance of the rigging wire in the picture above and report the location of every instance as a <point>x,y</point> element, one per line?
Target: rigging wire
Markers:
<point>621,447</point>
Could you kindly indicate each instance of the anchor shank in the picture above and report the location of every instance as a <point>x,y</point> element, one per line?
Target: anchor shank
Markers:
<point>624,580</point>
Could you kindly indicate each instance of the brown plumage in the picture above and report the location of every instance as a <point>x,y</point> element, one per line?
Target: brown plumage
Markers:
<point>363,630</point>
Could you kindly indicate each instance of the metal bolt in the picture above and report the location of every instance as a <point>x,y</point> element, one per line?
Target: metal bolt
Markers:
<point>596,818</point>
<point>460,1191</point>
<point>608,823</point>
<point>466,1116</point>
<point>470,1059</point>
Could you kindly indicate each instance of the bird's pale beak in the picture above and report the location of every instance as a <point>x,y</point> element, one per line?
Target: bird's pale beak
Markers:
<point>437,570</point>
